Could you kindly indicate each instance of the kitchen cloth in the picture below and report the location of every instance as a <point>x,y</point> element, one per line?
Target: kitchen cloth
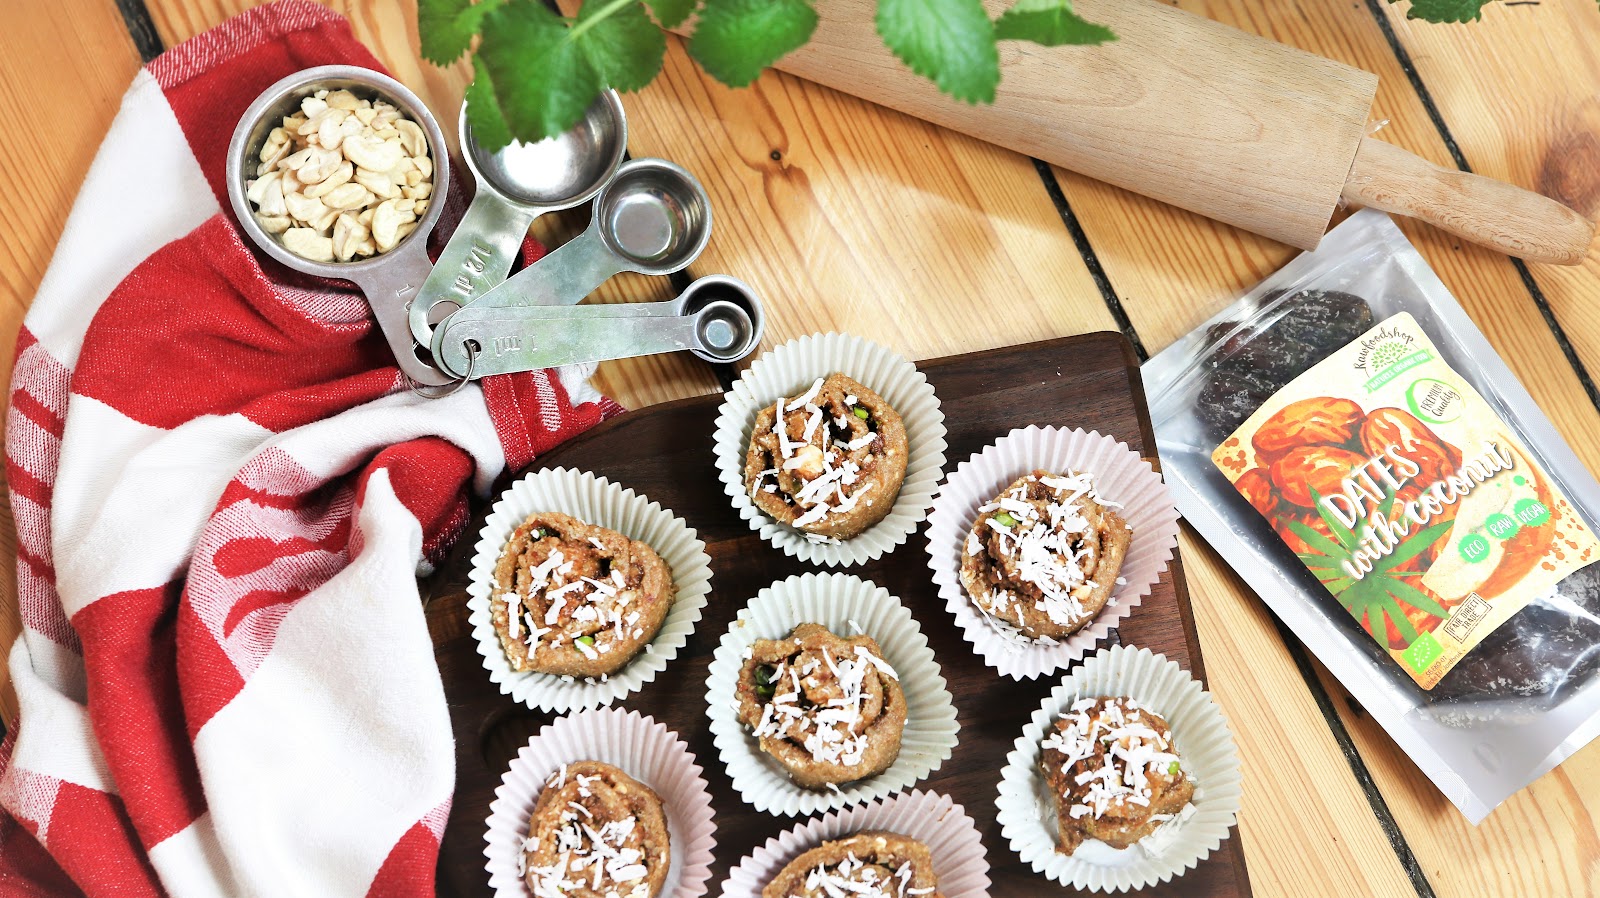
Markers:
<point>222,491</point>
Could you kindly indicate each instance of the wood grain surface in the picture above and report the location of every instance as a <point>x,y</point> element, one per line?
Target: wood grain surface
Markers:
<point>848,216</point>
<point>983,396</point>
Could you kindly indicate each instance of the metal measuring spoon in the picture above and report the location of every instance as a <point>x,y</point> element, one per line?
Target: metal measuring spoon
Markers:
<point>652,218</point>
<point>516,185</point>
<point>388,279</point>
<point>718,318</point>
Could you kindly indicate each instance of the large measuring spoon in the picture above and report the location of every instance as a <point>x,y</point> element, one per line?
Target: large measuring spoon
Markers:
<point>652,218</point>
<point>389,280</point>
<point>718,318</point>
<point>516,185</point>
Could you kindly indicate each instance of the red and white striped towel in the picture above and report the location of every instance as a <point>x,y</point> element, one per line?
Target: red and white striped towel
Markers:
<point>222,494</point>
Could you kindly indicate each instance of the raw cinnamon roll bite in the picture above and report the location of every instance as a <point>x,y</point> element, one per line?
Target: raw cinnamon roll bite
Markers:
<point>1114,771</point>
<point>830,461</point>
<point>574,599</point>
<point>1043,556</point>
<point>865,865</point>
<point>596,833</point>
<point>829,709</point>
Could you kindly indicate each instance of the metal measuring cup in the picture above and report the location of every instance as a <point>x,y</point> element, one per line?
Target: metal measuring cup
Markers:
<point>516,185</point>
<point>652,218</point>
<point>390,279</point>
<point>718,318</point>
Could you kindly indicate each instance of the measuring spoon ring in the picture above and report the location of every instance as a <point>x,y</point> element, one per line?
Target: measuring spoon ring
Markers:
<point>517,184</point>
<point>652,218</point>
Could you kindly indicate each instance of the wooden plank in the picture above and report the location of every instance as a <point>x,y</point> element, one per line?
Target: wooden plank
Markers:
<point>1175,270</point>
<point>1529,115</point>
<point>1517,91</point>
<point>846,216</point>
<point>390,31</point>
<point>61,81</point>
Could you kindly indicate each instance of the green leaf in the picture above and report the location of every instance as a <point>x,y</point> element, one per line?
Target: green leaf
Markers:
<point>1446,10</point>
<point>735,39</point>
<point>1343,534</point>
<point>544,82</point>
<point>620,42</point>
<point>483,110</point>
<point>671,13</point>
<point>1415,545</point>
<point>1416,598</point>
<point>951,42</point>
<point>1314,539</point>
<point>1390,607</point>
<point>1049,22</point>
<point>448,26</point>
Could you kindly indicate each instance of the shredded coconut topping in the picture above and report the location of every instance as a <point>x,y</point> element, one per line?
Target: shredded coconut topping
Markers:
<point>1135,755</point>
<point>1051,542</point>
<point>825,704</point>
<point>606,857</point>
<point>856,878</point>
<point>580,611</point>
<point>830,470</point>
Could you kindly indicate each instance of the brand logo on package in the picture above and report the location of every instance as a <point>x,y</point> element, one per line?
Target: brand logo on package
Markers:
<point>1386,353</point>
<point>1398,486</point>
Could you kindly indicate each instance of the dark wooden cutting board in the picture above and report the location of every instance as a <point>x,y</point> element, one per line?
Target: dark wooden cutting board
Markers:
<point>664,452</point>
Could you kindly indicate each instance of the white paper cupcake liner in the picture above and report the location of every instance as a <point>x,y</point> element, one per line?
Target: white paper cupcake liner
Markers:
<point>1027,814</point>
<point>1120,475</point>
<point>598,501</point>
<point>639,747</point>
<point>932,819</point>
<point>787,371</point>
<point>845,605</point>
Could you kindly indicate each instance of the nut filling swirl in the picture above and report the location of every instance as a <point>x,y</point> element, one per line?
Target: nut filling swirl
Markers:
<point>1042,558</point>
<point>865,865</point>
<point>577,600</point>
<point>829,709</point>
<point>829,461</point>
<point>595,832</point>
<point>1114,771</point>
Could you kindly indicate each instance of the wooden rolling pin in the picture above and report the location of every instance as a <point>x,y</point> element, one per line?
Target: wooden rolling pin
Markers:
<point>1203,116</point>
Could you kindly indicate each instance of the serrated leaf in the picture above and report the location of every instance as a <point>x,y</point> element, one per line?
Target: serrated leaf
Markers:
<point>544,82</point>
<point>1446,10</point>
<point>1051,23</point>
<point>672,13</point>
<point>483,110</point>
<point>625,48</point>
<point>951,42</point>
<point>1314,539</point>
<point>447,27</point>
<point>735,39</point>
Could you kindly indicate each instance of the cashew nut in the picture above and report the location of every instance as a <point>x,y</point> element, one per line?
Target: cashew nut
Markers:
<point>308,244</point>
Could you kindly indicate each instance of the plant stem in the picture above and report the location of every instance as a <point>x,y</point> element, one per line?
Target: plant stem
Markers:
<point>605,13</point>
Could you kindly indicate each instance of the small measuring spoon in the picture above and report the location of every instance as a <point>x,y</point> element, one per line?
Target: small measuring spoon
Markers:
<point>516,185</point>
<point>390,279</point>
<point>718,318</point>
<point>652,218</point>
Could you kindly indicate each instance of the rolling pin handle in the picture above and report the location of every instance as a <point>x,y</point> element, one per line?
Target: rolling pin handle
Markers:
<point>1510,219</point>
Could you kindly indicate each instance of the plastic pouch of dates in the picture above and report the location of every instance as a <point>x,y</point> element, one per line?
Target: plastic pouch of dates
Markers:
<point>1406,509</point>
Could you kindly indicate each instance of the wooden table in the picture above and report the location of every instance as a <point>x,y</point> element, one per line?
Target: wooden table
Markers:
<point>846,216</point>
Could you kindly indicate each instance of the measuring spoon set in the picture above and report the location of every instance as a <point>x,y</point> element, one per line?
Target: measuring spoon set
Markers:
<point>464,318</point>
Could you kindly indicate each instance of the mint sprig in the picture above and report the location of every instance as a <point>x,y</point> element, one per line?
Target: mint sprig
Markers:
<point>951,42</point>
<point>1446,10</point>
<point>735,39</point>
<point>537,72</point>
<point>1051,23</point>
